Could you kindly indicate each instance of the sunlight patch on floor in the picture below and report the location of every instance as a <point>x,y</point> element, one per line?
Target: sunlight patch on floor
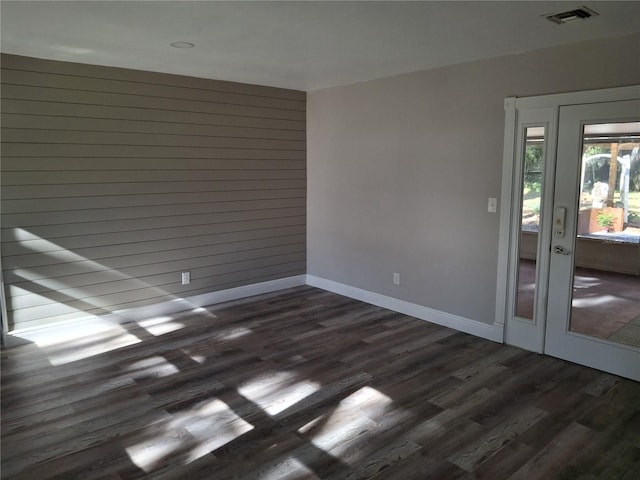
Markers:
<point>198,358</point>
<point>152,367</point>
<point>335,431</point>
<point>286,469</point>
<point>202,311</point>
<point>66,343</point>
<point>581,281</point>
<point>156,447</point>
<point>236,332</point>
<point>594,301</point>
<point>190,434</point>
<point>277,391</point>
<point>213,424</point>
<point>157,326</point>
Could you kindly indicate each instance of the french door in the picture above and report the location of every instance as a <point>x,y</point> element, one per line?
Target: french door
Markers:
<point>573,266</point>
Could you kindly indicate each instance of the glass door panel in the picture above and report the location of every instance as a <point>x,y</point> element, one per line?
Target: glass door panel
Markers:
<point>530,201</point>
<point>525,307</point>
<point>606,281</point>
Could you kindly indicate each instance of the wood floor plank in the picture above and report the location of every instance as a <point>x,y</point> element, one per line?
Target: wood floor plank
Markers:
<point>557,452</point>
<point>483,448</point>
<point>306,384</point>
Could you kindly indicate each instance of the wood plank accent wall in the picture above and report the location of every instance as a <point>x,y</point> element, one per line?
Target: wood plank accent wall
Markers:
<point>114,181</point>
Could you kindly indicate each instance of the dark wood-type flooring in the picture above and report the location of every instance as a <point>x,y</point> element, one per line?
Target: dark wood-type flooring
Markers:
<point>306,384</point>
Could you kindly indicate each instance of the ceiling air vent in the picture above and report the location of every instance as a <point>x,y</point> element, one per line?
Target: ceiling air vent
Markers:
<point>561,18</point>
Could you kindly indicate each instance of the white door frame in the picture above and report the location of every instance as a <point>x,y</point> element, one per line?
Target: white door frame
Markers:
<point>527,333</point>
<point>519,113</point>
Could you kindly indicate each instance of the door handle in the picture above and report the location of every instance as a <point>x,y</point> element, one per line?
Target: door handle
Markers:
<point>559,250</point>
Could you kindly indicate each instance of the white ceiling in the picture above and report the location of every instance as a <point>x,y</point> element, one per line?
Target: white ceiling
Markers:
<point>303,45</point>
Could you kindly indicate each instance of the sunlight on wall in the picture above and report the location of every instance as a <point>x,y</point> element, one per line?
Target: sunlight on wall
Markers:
<point>60,285</point>
<point>67,301</point>
<point>277,391</point>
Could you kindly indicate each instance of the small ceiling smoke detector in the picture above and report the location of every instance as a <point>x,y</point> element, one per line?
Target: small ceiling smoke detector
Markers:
<point>561,18</point>
<point>183,44</point>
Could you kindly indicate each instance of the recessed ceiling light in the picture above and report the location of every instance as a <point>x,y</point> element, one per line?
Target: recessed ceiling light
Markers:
<point>183,44</point>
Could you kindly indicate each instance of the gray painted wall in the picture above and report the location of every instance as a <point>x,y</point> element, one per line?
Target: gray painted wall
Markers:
<point>114,181</point>
<point>400,170</point>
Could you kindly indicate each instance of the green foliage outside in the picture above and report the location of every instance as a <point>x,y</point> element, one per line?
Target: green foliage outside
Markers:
<point>533,168</point>
<point>533,182</point>
<point>605,220</point>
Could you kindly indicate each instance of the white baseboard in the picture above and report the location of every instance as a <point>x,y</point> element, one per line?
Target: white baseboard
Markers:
<point>236,293</point>
<point>181,304</point>
<point>479,329</point>
<point>473,327</point>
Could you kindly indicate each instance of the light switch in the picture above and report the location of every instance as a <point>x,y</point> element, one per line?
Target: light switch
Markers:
<point>492,205</point>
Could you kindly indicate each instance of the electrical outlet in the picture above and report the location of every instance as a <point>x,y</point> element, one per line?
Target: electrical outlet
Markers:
<point>186,278</point>
<point>396,279</point>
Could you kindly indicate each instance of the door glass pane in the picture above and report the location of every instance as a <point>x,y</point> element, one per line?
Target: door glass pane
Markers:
<point>606,283</point>
<point>530,199</point>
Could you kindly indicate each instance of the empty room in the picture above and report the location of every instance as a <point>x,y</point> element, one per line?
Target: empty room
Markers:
<point>286,240</point>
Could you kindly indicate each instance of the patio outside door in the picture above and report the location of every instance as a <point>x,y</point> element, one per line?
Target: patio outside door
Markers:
<point>593,296</point>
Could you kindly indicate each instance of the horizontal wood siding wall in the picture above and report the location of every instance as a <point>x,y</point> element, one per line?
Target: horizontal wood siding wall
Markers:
<point>114,181</point>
